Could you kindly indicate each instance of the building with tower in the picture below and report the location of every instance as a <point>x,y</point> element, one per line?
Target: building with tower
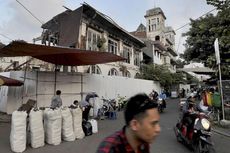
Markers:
<point>159,40</point>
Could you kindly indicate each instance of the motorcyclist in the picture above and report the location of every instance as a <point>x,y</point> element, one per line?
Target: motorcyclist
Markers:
<point>163,97</point>
<point>189,113</point>
<point>153,95</point>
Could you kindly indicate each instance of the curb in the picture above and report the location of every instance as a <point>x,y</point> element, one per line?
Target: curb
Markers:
<point>221,133</point>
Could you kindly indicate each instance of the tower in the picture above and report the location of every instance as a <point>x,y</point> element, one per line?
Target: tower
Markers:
<point>155,24</point>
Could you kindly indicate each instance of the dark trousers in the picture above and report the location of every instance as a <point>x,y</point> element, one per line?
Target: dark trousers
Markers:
<point>85,113</point>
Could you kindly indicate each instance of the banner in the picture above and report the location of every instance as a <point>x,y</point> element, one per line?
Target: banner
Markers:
<point>217,51</point>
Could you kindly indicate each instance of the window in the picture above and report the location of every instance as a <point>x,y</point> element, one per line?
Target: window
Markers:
<point>157,38</point>
<point>112,46</point>
<point>94,69</point>
<point>136,59</point>
<point>113,72</point>
<point>92,39</point>
<point>126,54</point>
<point>152,24</point>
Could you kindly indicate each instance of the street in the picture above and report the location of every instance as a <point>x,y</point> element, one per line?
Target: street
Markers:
<point>165,143</point>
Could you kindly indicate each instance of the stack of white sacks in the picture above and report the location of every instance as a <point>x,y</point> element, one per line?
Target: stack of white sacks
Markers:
<point>62,123</point>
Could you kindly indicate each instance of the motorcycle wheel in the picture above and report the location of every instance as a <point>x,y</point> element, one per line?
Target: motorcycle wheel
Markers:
<point>178,138</point>
<point>197,147</point>
<point>203,148</point>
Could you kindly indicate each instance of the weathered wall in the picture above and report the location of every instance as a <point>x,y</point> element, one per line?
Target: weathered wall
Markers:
<point>71,87</point>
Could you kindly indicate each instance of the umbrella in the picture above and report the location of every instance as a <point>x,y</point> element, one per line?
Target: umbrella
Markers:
<point>90,95</point>
<point>5,81</point>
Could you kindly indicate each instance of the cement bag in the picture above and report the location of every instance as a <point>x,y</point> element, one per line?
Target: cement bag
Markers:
<point>18,131</point>
<point>67,125</point>
<point>94,125</point>
<point>37,133</point>
<point>77,123</point>
<point>52,126</point>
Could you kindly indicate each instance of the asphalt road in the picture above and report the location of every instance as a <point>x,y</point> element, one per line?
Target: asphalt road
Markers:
<point>165,143</point>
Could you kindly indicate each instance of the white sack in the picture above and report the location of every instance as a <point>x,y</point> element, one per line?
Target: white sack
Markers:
<point>94,125</point>
<point>77,123</point>
<point>67,125</point>
<point>52,126</point>
<point>37,134</point>
<point>18,131</point>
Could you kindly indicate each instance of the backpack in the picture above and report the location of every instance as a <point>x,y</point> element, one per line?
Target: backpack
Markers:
<point>87,128</point>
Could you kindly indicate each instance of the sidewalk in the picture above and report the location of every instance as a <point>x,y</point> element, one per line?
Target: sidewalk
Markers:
<point>221,130</point>
<point>223,127</point>
<point>5,118</point>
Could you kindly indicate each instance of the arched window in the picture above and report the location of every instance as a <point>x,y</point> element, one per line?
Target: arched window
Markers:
<point>127,74</point>
<point>94,69</point>
<point>137,76</point>
<point>112,72</point>
<point>157,38</point>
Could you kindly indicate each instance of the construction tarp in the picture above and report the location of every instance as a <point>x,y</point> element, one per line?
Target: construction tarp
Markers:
<point>58,55</point>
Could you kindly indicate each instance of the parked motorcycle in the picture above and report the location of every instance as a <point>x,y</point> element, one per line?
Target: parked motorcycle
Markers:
<point>198,138</point>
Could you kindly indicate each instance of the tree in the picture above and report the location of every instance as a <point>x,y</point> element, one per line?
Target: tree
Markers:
<point>204,31</point>
<point>160,73</point>
<point>219,4</point>
<point>180,63</point>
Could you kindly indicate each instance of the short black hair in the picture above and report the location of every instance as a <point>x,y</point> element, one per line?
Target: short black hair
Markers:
<point>75,102</point>
<point>58,92</point>
<point>137,105</point>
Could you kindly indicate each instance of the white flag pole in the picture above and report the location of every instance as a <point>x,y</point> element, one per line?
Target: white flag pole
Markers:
<point>217,52</point>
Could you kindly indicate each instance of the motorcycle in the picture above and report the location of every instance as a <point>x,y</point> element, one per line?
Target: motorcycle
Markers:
<point>161,105</point>
<point>181,103</point>
<point>198,138</point>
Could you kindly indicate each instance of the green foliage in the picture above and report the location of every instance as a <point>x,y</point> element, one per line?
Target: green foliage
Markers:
<point>180,63</point>
<point>202,34</point>
<point>162,74</point>
<point>219,4</point>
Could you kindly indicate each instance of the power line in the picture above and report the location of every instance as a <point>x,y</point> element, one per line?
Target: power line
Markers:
<point>195,19</point>
<point>6,37</point>
<point>30,12</point>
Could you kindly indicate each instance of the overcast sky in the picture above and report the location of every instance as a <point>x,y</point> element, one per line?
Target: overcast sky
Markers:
<point>17,23</point>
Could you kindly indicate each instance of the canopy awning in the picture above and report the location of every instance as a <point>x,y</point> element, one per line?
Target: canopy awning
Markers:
<point>59,55</point>
<point>5,81</point>
<point>198,70</point>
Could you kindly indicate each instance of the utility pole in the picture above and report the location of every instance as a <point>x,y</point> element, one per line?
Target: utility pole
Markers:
<point>217,53</point>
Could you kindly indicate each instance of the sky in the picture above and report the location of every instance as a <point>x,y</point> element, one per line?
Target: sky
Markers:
<point>16,23</point>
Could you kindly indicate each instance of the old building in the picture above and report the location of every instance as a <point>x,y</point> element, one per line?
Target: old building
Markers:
<point>159,39</point>
<point>86,28</point>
